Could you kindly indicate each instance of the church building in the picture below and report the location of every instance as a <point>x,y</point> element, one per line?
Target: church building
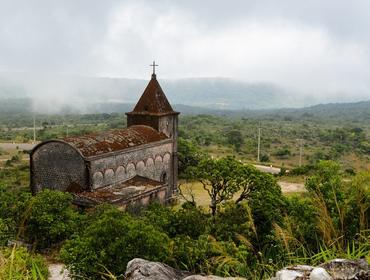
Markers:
<point>131,166</point>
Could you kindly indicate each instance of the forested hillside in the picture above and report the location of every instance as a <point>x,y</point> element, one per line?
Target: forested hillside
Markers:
<point>79,92</point>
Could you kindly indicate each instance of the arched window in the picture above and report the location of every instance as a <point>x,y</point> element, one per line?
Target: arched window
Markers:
<point>164,177</point>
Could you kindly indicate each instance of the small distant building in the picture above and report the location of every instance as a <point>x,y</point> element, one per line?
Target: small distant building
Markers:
<point>130,166</point>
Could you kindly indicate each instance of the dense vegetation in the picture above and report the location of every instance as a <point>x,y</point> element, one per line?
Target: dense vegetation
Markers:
<point>284,133</point>
<point>249,228</point>
<point>253,230</point>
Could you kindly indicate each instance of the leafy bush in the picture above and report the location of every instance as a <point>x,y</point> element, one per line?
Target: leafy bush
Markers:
<point>302,170</point>
<point>50,218</point>
<point>283,153</point>
<point>111,240</point>
<point>266,204</point>
<point>235,138</point>
<point>18,264</point>
<point>233,220</point>
<point>13,205</point>
<point>206,255</point>
<point>6,231</point>
<point>301,220</point>
<point>189,220</point>
<point>265,158</point>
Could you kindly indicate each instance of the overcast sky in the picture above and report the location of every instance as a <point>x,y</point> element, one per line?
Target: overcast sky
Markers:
<point>318,46</point>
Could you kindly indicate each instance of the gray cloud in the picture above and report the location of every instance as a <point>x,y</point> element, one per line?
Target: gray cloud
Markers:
<point>317,47</point>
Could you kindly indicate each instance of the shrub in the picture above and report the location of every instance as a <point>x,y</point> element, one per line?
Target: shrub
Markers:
<point>266,204</point>
<point>302,170</point>
<point>283,153</point>
<point>265,158</point>
<point>50,218</point>
<point>6,231</point>
<point>111,240</point>
<point>233,220</point>
<point>301,221</point>
<point>13,204</point>
<point>189,220</point>
<point>209,256</point>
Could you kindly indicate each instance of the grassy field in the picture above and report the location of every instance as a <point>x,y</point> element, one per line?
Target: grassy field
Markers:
<point>201,197</point>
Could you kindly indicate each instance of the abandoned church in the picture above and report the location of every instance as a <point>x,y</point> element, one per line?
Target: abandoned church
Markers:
<point>131,166</point>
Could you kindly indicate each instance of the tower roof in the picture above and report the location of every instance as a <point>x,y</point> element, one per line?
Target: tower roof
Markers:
<point>153,101</point>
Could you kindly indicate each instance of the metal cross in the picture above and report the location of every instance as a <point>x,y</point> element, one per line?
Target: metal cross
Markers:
<point>153,65</point>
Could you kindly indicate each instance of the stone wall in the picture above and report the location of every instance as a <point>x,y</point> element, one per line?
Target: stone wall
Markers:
<point>153,161</point>
<point>56,165</point>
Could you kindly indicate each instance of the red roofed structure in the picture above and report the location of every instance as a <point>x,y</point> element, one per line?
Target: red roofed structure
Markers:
<point>134,165</point>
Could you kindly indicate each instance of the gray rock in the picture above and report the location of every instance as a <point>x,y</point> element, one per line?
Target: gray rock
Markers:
<point>139,269</point>
<point>348,269</point>
<point>319,273</point>
<point>338,269</point>
<point>287,274</point>
<point>57,271</point>
<point>211,277</point>
<point>294,272</point>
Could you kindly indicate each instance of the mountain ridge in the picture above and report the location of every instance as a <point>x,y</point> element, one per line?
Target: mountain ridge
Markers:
<point>220,93</point>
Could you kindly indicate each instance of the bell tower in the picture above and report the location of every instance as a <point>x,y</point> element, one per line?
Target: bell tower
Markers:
<point>154,110</point>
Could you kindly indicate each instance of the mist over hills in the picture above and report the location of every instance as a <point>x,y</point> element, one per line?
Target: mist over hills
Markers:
<point>52,93</point>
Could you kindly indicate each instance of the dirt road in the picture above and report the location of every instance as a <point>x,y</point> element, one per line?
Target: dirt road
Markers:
<point>21,146</point>
<point>287,187</point>
<point>268,169</point>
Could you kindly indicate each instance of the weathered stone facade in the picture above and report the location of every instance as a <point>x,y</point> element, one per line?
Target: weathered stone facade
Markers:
<point>105,162</point>
<point>56,165</point>
<point>152,161</point>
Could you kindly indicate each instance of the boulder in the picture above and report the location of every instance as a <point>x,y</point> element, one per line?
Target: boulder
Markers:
<point>287,274</point>
<point>294,273</point>
<point>139,269</point>
<point>348,269</point>
<point>319,273</point>
<point>210,277</point>
<point>338,269</point>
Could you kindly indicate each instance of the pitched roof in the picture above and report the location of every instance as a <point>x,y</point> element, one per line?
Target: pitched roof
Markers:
<point>114,140</point>
<point>153,101</point>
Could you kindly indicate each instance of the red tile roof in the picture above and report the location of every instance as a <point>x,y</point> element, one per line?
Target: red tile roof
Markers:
<point>153,101</point>
<point>114,140</point>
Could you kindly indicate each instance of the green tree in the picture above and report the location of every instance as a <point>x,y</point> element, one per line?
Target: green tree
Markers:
<point>188,154</point>
<point>219,178</point>
<point>235,138</point>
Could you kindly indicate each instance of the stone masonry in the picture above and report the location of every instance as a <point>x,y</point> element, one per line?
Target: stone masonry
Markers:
<point>97,164</point>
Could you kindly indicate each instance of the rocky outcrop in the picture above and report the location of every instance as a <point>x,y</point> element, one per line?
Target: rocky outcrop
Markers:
<point>139,269</point>
<point>348,269</point>
<point>338,269</point>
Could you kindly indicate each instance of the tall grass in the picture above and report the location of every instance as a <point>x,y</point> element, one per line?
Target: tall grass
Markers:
<point>18,264</point>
